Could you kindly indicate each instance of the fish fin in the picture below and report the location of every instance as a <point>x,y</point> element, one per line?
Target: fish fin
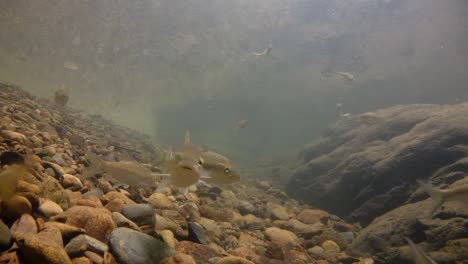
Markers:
<point>96,166</point>
<point>203,183</point>
<point>187,137</point>
<point>437,196</point>
<point>205,175</point>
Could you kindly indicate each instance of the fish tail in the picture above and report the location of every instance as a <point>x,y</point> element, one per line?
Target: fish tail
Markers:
<point>96,166</point>
<point>437,196</point>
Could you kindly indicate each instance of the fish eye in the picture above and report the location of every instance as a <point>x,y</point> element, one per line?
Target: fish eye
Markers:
<point>227,170</point>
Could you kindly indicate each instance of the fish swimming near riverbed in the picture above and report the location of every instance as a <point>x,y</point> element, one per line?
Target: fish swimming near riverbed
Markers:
<point>184,167</point>
<point>128,172</point>
<point>219,168</point>
<point>439,196</point>
<point>418,255</point>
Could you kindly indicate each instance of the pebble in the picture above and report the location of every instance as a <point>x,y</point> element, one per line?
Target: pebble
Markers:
<point>5,236</point>
<point>15,207</point>
<point>197,234</point>
<point>131,247</point>
<point>141,214</point>
<point>121,221</point>
<point>280,213</point>
<point>281,236</point>
<point>49,208</point>
<point>67,231</point>
<point>97,222</point>
<point>179,258</point>
<point>24,224</point>
<point>160,201</point>
<point>36,249</point>
<point>71,182</point>
<point>234,260</point>
<point>331,247</point>
<point>312,216</point>
<point>78,245</point>
<point>168,237</point>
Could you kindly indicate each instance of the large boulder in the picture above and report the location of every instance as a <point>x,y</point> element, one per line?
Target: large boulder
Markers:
<point>444,235</point>
<point>366,165</point>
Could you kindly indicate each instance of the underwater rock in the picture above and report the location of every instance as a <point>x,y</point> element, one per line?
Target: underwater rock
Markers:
<point>200,253</point>
<point>131,247</point>
<point>13,208</point>
<point>78,245</point>
<point>178,259</point>
<point>280,236</point>
<point>197,234</point>
<point>36,249</point>
<point>121,221</point>
<point>67,231</point>
<point>97,222</point>
<point>385,236</point>
<point>160,201</point>
<point>24,224</point>
<point>48,208</point>
<point>362,170</point>
<point>141,214</point>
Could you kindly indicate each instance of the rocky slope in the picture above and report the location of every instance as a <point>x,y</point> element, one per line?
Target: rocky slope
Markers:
<point>367,165</point>
<point>55,217</point>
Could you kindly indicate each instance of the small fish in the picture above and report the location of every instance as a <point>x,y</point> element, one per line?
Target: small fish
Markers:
<point>184,168</point>
<point>242,123</point>
<point>347,76</point>
<point>265,52</point>
<point>419,256</point>
<point>61,97</point>
<point>128,172</point>
<point>219,168</point>
<point>440,196</point>
<point>9,179</point>
<point>339,111</point>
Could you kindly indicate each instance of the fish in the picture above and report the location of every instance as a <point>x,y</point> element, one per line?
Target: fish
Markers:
<point>219,168</point>
<point>9,179</point>
<point>263,53</point>
<point>184,167</point>
<point>339,111</point>
<point>418,255</point>
<point>347,76</point>
<point>128,172</point>
<point>242,123</point>
<point>439,196</point>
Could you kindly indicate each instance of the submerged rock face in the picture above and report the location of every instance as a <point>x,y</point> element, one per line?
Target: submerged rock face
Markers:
<point>366,165</point>
<point>444,236</point>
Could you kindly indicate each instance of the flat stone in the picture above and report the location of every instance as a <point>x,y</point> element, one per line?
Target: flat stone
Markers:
<point>141,214</point>
<point>78,245</point>
<point>131,247</point>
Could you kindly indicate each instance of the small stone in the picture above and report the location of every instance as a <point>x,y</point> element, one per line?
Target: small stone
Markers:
<point>53,190</point>
<point>121,221</point>
<point>280,236</point>
<point>217,214</point>
<point>49,208</point>
<point>316,250</point>
<point>71,182</point>
<point>97,222</point>
<point>95,258</point>
<point>168,237</point>
<point>312,216</point>
<point>163,223</point>
<point>159,201</point>
<point>197,234</point>
<point>131,247</point>
<point>9,258</point>
<point>234,260</point>
<point>24,186</point>
<point>190,212</point>
<point>24,224</point>
<point>14,136</point>
<point>35,249</point>
<point>141,214</point>
<point>280,213</point>
<point>348,236</point>
<point>67,231</point>
<point>200,253</point>
<point>331,247</point>
<point>253,223</point>
<point>179,258</point>
<point>78,245</point>
<point>81,260</point>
